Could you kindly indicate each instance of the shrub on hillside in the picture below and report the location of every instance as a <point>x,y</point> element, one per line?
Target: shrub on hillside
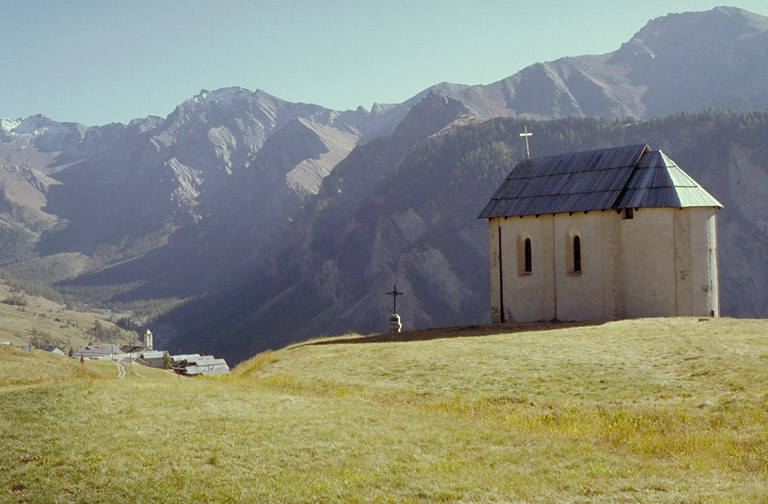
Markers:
<point>16,300</point>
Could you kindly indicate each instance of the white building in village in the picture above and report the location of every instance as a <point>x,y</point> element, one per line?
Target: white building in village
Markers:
<point>598,235</point>
<point>149,340</point>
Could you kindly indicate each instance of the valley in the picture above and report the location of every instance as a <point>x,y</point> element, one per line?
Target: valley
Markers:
<point>242,222</point>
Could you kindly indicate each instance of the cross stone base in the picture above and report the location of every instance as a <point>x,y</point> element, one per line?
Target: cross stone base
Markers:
<point>394,323</point>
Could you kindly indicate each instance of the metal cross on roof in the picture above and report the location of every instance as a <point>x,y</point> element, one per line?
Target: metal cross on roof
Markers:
<point>526,135</point>
<point>394,293</point>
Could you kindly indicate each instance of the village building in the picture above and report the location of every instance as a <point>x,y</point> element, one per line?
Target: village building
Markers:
<point>603,234</point>
<point>52,349</point>
<point>149,340</point>
<point>153,358</point>
<point>196,364</point>
<point>103,351</point>
<point>133,349</point>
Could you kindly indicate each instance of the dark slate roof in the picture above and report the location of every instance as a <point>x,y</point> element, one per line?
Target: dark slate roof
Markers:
<point>657,181</point>
<point>133,348</point>
<point>633,176</point>
<point>152,354</point>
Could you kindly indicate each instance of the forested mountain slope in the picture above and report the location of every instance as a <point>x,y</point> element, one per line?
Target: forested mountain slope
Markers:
<point>418,228</point>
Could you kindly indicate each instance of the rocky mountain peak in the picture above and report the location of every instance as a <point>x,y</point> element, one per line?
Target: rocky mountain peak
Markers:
<point>434,112</point>
<point>215,106</point>
<point>45,134</point>
<point>679,62</point>
<point>39,125</point>
<point>691,33</point>
<point>697,60</point>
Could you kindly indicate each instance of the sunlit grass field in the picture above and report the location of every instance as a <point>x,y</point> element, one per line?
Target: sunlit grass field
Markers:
<point>50,322</point>
<point>654,410</point>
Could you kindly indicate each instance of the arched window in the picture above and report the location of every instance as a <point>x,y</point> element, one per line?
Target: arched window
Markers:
<point>524,255</point>
<point>573,252</point>
<point>577,254</point>
<point>528,266</point>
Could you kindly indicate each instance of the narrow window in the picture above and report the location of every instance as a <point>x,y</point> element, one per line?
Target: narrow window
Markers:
<point>577,254</point>
<point>524,255</point>
<point>501,281</point>
<point>629,213</point>
<point>528,265</point>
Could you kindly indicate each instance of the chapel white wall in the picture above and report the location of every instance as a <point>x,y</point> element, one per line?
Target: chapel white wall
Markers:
<point>702,296</point>
<point>520,296</point>
<point>662,262</point>
<point>589,294</point>
<point>648,264</point>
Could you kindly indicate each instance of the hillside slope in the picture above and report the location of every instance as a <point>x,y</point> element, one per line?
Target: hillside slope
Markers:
<point>27,316</point>
<point>417,227</point>
<point>645,411</point>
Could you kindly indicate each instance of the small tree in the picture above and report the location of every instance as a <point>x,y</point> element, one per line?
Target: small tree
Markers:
<point>167,361</point>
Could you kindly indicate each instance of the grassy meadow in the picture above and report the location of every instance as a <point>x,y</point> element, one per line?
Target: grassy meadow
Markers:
<point>653,410</point>
<point>43,321</point>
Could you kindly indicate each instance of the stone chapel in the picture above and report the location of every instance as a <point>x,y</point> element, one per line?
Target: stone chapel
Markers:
<point>599,235</point>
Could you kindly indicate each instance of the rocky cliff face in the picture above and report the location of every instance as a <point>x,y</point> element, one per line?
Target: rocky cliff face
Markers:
<point>117,191</point>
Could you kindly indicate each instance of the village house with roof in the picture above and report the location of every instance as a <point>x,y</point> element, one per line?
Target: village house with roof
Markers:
<point>153,358</point>
<point>604,234</point>
<point>185,364</point>
<point>196,364</point>
<point>102,351</point>
<point>52,349</point>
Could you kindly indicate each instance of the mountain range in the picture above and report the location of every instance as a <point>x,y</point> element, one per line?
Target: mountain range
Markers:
<point>241,221</point>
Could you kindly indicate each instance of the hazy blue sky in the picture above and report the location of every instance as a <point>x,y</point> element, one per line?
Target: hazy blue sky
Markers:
<point>103,61</point>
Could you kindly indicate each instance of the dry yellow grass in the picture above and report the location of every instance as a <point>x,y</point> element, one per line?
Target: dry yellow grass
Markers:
<point>18,367</point>
<point>687,397</point>
<point>658,410</point>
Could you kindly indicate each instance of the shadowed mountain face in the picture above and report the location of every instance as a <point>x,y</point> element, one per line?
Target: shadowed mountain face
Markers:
<point>417,227</point>
<point>281,221</point>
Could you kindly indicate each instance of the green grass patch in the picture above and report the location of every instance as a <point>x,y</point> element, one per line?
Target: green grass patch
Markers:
<point>658,410</point>
<point>35,319</point>
<point>18,367</point>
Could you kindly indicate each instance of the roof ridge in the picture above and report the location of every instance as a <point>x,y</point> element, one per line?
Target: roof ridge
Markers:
<point>598,179</point>
<point>590,151</point>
